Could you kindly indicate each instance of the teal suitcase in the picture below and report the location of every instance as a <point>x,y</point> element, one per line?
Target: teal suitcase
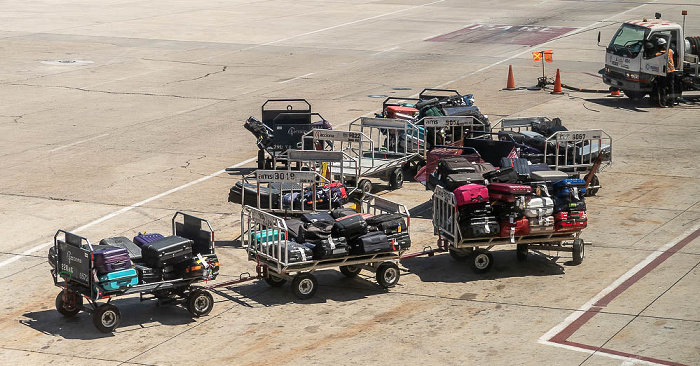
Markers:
<point>118,280</point>
<point>268,235</point>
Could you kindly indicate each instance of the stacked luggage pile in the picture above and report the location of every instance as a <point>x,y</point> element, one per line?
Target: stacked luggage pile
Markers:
<point>339,233</point>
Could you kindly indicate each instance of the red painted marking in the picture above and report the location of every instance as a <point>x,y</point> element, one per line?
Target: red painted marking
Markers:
<point>502,33</point>
<point>567,332</point>
<point>623,354</point>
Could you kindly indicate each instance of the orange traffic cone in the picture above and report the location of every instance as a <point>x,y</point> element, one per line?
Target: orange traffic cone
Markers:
<point>557,84</point>
<point>511,80</point>
<point>615,93</point>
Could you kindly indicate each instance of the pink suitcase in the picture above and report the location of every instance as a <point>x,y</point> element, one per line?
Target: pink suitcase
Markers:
<point>471,193</point>
<point>507,192</point>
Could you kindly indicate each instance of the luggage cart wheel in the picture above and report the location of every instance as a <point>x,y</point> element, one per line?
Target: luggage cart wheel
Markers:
<point>481,260</point>
<point>106,318</point>
<point>365,186</point>
<point>200,302</point>
<point>578,251</point>
<point>521,251</point>
<point>70,306</point>
<point>350,271</point>
<point>304,285</point>
<point>460,255</point>
<point>388,275</point>
<point>274,281</point>
<point>595,182</point>
<point>396,179</point>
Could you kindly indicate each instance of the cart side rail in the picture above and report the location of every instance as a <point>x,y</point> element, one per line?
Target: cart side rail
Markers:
<point>272,231</point>
<point>73,259</point>
<point>278,190</point>
<point>517,124</point>
<point>566,150</point>
<point>445,215</point>
<point>394,137</point>
<point>377,205</point>
<point>197,229</point>
<point>441,130</point>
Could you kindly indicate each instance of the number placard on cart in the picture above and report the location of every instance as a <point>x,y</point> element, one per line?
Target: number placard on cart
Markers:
<point>266,220</point>
<point>342,136</point>
<point>74,263</point>
<point>444,195</point>
<point>448,121</point>
<point>284,176</point>
<point>578,135</point>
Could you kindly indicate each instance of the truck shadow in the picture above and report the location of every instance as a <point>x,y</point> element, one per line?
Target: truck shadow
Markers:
<point>635,105</point>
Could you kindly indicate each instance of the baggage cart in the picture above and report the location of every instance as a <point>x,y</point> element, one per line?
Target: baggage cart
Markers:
<point>273,264</point>
<point>74,272</point>
<point>446,227</point>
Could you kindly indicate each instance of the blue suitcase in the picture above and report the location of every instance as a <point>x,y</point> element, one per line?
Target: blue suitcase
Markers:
<point>119,280</point>
<point>571,182</point>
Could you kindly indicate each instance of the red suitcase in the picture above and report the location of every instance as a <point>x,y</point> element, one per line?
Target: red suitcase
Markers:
<point>519,227</point>
<point>573,215</point>
<point>507,192</point>
<point>570,225</point>
<point>471,193</point>
<point>397,111</point>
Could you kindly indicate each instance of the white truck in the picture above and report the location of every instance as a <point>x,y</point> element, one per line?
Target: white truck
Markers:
<point>636,62</point>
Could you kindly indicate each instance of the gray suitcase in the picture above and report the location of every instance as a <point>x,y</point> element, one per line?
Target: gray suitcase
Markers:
<point>548,176</point>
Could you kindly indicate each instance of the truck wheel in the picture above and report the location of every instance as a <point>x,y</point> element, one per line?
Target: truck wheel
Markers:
<point>634,95</point>
<point>350,271</point>
<point>274,281</point>
<point>578,251</point>
<point>304,285</point>
<point>71,305</point>
<point>200,302</point>
<point>388,275</point>
<point>482,260</point>
<point>106,318</point>
<point>396,179</point>
<point>365,186</point>
<point>521,251</point>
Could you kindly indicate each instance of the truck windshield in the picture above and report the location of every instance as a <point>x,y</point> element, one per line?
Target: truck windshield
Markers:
<point>628,41</point>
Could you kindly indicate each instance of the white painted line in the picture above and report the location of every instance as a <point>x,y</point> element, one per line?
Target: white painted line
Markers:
<point>384,51</point>
<point>79,142</point>
<point>633,361</point>
<point>125,209</point>
<point>297,78</point>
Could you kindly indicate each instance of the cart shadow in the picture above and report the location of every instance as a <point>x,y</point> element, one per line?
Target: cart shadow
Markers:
<point>443,268</point>
<point>422,211</point>
<point>134,315</point>
<point>236,243</point>
<point>240,171</point>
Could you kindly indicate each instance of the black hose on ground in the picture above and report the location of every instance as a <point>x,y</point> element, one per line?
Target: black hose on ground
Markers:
<point>583,90</point>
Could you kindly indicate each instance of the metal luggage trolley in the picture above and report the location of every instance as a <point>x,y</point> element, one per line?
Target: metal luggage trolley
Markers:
<point>373,147</point>
<point>446,227</point>
<point>274,267</point>
<point>75,274</point>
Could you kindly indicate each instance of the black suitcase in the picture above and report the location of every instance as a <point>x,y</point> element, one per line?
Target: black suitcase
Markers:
<point>388,223</point>
<point>372,242</point>
<point>314,232</point>
<point>455,164</point>
<point>503,175</point>
<point>296,253</point>
<point>400,240</point>
<point>520,165</point>
<point>194,268</point>
<point>317,216</point>
<point>331,248</point>
<point>294,229</point>
<point>563,204</point>
<point>342,212</point>
<point>479,227</point>
<point>434,181</point>
<point>124,242</point>
<point>148,274</point>
<point>167,251</point>
<point>475,210</point>
<point>454,181</point>
<point>350,226</point>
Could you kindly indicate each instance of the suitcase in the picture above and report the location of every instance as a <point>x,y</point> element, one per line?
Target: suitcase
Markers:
<point>296,253</point>
<point>317,216</point>
<point>505,211</point>
<point>520,165</point>
<point>482,168</point>
<point>540,226</point>
<point>148,274</point>
<point>507,192</point>
<point>569,182</point>
<point>372,242</point>
<point>470,194</point>
<point>331,248</point>
<point>453,181</point>
<point>388,223</point>
<point>396,111</point>
<point>479,227</point>
<point>195,267</point>
<point>573,215</point>
<point>455,164</point>
<point>503,175</point>
<point>533,139</point>
<point>539,207</point>
<point>342,212</point>
<point>314,232</point>
<point>118,280</point>
<point>434,181</point>
<point>565,204</point>
<point>110,259</point>
<point>293,229</point>
<point>400,240</point>
<point>475,210</point>
<point>548,127</point>
<point>540,167</point>
<point>142,239</point>
<point>167,251</point>
<point>513,228</point>
<point>267,235</point>
<point>350,226</point>
<point>547,176</point>
<point>124,242</point>
<point>570,225</point>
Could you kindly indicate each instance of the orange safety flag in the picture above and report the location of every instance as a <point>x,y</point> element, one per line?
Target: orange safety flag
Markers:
<point>537,56</point>
<point>548,56</point>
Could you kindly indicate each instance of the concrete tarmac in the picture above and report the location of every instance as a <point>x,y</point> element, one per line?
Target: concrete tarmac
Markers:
<point>117,114</point>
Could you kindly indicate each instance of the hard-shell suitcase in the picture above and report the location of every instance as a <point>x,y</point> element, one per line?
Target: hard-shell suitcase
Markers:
<point>350,226</point>
<point>547,175</point>
<point>297,253</point>
<point>342,212</point>
<point>566,204</point>
<point>455,164</point>
<point>314,232</point>
<point>539,207</point>
<point>400,240</point>
<point>331,248</point>
<point>170,273</point>
<point>570,225</point>
<point>569,182</point>
<point>118,280</point>
<point>124,242</point>
<point>317,216</point>
<point>396,111</point>
<point>475,210</point>
<point>484,167</point>
<point>389,223</point>
<point>453,181</point>
<point>571,215</point>
<point>470,194</point>
<point>478,227</point>
<point>507,192</point>
<point>143,239</point>
<point>110,259</point>
<point>434,181</point>
<point>539,226</point>
<point>148,274</point>
<point>167,251</point>
<point>502,175</point>
<point>513,228</point>
<point>206,267</point>
<point>372,242</point>
<point>520,165</point>
<point>267,235</point>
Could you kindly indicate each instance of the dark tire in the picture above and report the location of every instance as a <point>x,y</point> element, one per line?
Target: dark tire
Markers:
<point>388,275</point>
<point>634,95</point>
<point>200,302</point>
<point>71,307</point>
<point>365,186</point>
<point>578,251</point>
<point>350,271</point>
<point>521,251</point>
<point>594,182</point>
<point>459,255</point>
<point>481,261</point>
<point>304,285</point>
<point>106,318</point>
<point>396,179</point>
<point>275,281</point>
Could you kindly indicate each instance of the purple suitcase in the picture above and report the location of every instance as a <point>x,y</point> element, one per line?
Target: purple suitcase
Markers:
<point>110,259</point>
<point>143,239</point>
